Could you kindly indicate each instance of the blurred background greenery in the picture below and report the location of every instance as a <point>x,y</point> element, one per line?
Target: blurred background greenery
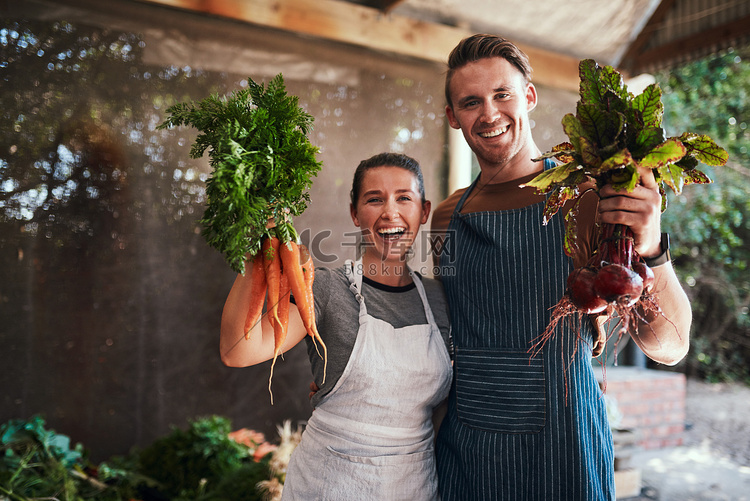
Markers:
<point>710,224</point>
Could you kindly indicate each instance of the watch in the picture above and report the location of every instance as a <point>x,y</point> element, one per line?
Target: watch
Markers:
<point>664,256</point>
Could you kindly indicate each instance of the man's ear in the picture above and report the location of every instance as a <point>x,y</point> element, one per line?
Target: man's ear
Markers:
<point>531,97</point>
<point>451,118</point>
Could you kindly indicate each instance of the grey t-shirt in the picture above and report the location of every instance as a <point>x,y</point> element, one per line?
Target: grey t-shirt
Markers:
<point>337,316</point>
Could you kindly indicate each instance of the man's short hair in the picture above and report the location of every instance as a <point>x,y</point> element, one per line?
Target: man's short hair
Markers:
<point>482,46</point>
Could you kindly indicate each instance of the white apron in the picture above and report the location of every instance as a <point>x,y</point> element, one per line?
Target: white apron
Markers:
<point>371,437</point>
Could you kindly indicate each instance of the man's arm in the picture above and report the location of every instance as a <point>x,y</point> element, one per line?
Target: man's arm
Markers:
<point>441,217</point>
<point>663,337</point>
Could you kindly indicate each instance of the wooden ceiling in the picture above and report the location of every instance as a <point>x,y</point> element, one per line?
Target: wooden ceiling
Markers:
<point>636,36</point>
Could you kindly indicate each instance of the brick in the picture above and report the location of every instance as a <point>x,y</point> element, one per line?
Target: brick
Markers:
<point>652,403</point>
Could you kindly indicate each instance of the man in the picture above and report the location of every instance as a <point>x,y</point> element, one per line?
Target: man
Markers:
<point>521,427</point>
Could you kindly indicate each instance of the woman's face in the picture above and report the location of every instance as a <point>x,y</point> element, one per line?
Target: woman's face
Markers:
<point>389,212</point>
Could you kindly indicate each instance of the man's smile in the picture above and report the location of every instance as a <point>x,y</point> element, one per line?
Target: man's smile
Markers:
<point>494,132</point>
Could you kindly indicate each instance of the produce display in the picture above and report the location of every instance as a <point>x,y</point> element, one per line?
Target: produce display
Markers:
<point>611,134</point>
<point>263,164</point>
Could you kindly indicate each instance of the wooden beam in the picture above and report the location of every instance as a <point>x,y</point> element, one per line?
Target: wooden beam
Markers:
<point>361,26</point>
<point>388,5</point>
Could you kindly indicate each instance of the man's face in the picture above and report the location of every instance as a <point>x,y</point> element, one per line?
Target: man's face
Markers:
<point>491,105</point>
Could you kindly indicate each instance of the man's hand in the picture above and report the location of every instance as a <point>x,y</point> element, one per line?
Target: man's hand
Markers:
<point>639,209</point>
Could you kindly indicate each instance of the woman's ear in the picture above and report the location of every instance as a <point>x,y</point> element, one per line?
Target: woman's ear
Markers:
<point>426,207</point>
<point>353,213</point>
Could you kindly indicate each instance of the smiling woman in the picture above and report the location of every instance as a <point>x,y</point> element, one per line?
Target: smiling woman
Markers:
<point>388,205</point>
<point>375,314</point>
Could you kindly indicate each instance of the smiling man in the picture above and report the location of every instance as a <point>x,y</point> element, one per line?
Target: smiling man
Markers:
<point>521,427</point>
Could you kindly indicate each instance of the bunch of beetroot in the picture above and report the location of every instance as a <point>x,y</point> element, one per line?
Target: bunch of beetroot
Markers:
<point>615,282</point>
<point>611,135</point>
<point>615,276</point>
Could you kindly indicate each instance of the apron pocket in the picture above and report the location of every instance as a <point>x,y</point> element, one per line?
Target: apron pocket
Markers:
<point>404,477</point>
<point>500,390</point>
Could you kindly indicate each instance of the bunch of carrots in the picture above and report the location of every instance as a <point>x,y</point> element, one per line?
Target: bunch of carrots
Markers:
<point>279,270</point>
<point>263,164</point>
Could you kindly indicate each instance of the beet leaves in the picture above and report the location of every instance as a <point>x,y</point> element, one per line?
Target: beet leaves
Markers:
<point>611,134</point>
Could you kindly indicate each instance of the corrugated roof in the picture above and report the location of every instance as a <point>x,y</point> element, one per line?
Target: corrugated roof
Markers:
<point>683,30</point>
<point>635,35</point>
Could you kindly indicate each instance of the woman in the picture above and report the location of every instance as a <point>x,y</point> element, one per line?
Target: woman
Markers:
<point>370,435</point>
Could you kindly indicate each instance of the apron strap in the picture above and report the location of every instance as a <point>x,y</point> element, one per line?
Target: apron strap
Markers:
<point>423,295</point>
<point>548,164</point>
<point>463,198</point>
<point>354,273</point>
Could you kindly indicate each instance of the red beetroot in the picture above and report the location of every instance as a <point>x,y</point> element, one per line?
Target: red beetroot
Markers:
<point>616,283</point>
<point>646,274</point>
<point>581,291</point>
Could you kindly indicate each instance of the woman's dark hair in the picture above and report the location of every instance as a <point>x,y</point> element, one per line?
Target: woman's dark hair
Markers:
<point>482,46</point>
<point>386,160</point>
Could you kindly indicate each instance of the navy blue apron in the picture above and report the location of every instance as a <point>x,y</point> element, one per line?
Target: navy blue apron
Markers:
<point>517,428</point>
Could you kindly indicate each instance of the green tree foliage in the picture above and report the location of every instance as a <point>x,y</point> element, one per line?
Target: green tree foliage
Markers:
<point>710,224</point>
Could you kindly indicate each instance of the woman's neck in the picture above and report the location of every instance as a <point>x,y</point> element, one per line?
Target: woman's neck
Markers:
<point>394,273</point>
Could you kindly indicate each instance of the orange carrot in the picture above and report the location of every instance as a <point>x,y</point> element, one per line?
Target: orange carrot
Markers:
<point>308,270</point>
<point>272,267</point>
<point>290,258</point>
<point>258,288</point>
<point>281,327</point>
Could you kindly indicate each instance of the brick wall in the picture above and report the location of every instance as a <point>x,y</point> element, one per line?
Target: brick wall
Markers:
<point>651,402</point>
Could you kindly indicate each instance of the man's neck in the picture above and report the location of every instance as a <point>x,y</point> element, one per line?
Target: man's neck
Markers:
<point>519,166</point>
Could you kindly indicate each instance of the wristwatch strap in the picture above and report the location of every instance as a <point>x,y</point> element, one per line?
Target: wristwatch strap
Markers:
<point>665,255</point>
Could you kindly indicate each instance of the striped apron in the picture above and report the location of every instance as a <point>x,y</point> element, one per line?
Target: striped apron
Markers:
<point>517,428</point>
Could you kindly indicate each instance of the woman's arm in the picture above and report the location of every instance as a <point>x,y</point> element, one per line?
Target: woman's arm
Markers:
<point>235,350</point>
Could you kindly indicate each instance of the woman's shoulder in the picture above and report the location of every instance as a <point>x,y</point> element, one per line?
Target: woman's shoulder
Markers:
<point>430,282</point>
<point>433,288</point>
<point>330,280</point>
<point>327,274</point>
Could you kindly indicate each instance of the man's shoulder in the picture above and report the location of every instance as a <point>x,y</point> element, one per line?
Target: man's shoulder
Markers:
<point>441,216</point>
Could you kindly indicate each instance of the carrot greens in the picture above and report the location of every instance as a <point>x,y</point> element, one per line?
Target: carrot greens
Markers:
<point>263,165</point>
<point>262,160</point>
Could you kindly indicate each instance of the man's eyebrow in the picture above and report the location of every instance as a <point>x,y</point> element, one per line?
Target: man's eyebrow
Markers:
<point>502,88</point>
<point>466,98</point>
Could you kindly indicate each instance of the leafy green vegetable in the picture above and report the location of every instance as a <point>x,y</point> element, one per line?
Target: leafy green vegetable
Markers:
<point>262,161</point>
<point>37,463</point>
<point>611,134</point>
<point>191,463</point>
